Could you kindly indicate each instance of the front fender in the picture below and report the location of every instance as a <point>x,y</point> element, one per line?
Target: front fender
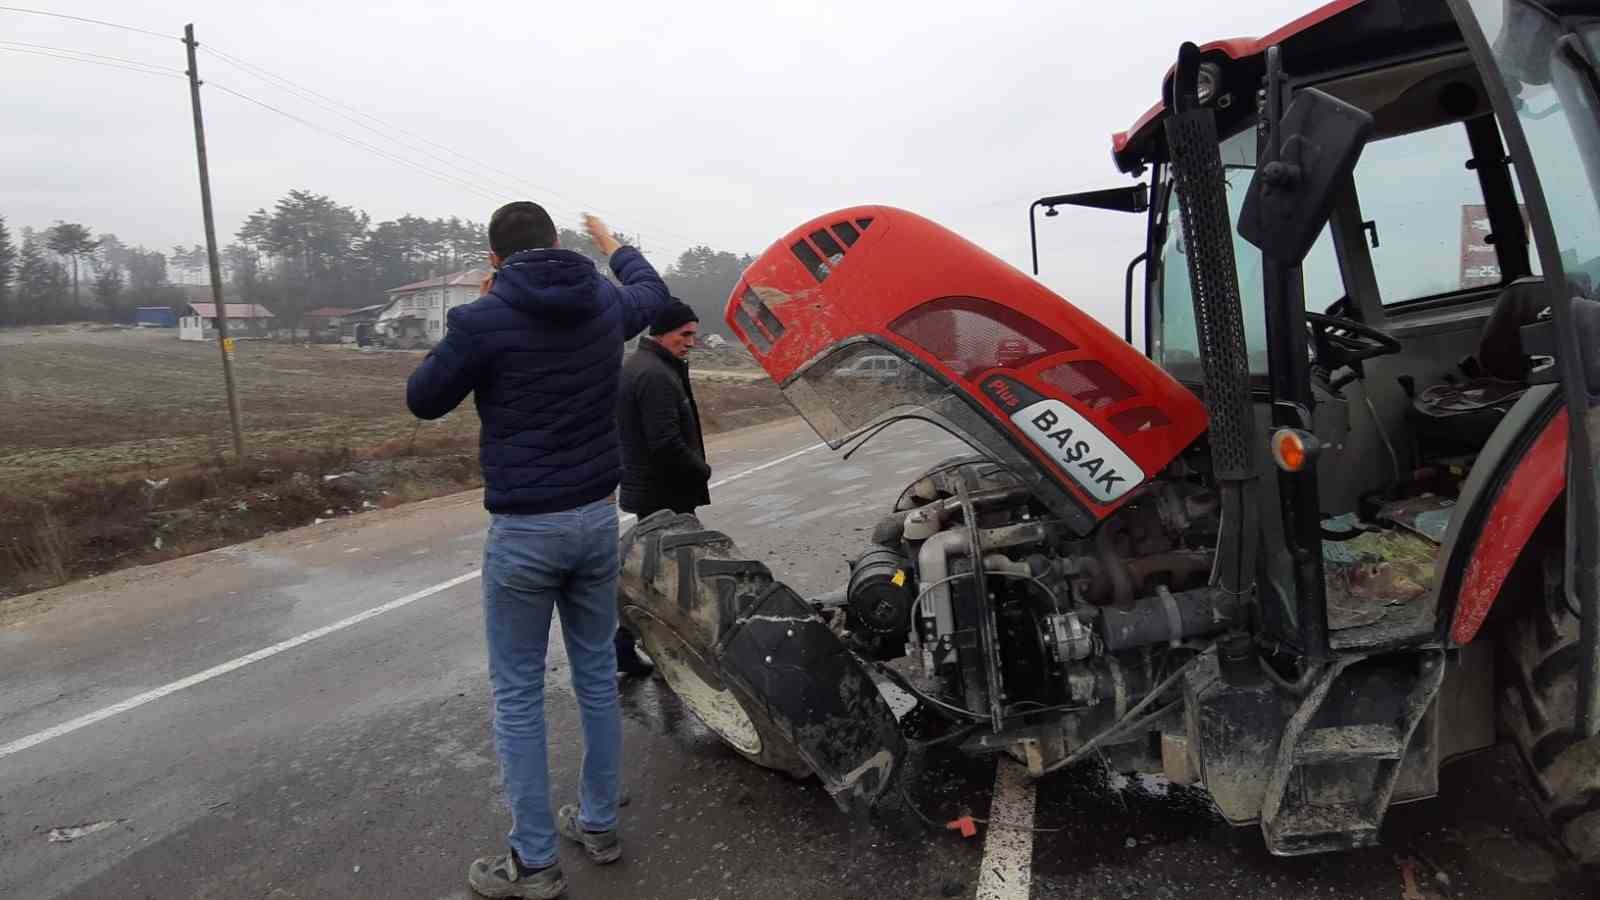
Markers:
<point>1513,484</point>
<point>817,691</point>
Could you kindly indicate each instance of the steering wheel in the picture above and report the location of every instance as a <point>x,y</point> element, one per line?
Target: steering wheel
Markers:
<point>1346,342</point>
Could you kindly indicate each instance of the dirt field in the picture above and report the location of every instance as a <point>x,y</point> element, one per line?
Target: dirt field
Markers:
<point>80,402</point>
<point>116,448</point>
<point>95,402</point>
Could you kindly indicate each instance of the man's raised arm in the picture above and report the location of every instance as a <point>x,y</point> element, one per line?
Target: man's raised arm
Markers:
<point>643,291</point>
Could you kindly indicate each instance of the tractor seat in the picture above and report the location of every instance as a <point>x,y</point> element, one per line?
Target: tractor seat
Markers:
<point>1500,345</point>
<point>1460,416</point>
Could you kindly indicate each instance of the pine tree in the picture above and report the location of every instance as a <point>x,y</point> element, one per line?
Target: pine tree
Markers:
<point>8,272</point>
<point>34,280</point>
<point>108,291</point>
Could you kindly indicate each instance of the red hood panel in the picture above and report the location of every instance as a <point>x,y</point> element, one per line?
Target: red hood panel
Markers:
<point>898,313</point>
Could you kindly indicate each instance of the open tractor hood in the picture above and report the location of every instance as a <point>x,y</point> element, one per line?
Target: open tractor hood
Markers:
<point>872,314</point>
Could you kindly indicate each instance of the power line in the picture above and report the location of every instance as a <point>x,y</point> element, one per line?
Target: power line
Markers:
<point>481,191</point>
<point>304,93</point>
<point>335,107</point>
<point>95,62</point>
<point>56,15</point>
<point>165,70</point>
<point>129,65</point>
<point>349,112</point>
<point>292,86</point>
<point>133,65</point>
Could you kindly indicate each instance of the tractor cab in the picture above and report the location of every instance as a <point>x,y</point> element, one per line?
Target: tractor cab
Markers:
<point>1411,340</point>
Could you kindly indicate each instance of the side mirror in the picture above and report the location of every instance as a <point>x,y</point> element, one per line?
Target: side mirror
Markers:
<point>1134,199</point>
<point>1313,149</point>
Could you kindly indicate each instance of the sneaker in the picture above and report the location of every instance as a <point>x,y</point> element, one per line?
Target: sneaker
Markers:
<point>602,846</point>
<point>506,876</point>
<point>629,662</point>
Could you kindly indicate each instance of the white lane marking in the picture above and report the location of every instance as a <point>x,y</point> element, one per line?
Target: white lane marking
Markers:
<point>1007,869</point>
<point>766,465</point>
<point>151,696</point>
<point>134,702</point>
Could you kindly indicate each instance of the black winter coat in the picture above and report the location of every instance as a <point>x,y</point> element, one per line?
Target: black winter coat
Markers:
<point>541,354</point>
<point>663,455</point>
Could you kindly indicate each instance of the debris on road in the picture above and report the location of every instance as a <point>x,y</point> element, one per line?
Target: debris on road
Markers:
<point>964,825</point>
<point>1408,879</point>
<point>65,833</point>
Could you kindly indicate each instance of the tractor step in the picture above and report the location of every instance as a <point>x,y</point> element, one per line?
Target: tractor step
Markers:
<point>1347,743</point>
<point>1330,786</point>
<point>1319,829</point>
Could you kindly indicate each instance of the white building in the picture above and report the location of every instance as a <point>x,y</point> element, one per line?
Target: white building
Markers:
<point>415,314</point>
<point>244,320</point>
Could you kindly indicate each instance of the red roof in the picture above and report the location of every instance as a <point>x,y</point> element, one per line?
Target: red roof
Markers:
<point>235,311</point>
<point>465,277</point>
<point>328,312</point>
<point>1235,48</point>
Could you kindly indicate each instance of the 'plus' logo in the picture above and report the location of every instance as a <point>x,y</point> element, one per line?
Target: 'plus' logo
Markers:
<point>1001,391</point>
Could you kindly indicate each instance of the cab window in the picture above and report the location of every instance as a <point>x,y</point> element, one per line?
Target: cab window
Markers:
<point>1426,209</point>
<point>1178,351</point>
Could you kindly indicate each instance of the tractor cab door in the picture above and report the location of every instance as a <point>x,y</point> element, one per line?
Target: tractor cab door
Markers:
<point>1538,62</point>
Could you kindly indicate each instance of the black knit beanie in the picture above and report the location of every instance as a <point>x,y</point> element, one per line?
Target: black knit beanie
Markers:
<point>673,316</point>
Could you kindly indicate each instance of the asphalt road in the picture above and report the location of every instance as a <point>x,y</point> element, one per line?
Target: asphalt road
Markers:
<point>307,716</point>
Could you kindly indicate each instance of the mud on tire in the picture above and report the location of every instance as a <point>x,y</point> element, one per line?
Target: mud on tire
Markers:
<point>681,585</point>
<point>1537,703</point>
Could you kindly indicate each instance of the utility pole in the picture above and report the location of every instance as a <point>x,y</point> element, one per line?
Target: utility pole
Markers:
<point>224,343</point>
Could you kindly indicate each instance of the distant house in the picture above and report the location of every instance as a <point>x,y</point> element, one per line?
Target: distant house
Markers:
<point>359,326</point>
<point>155,317</point>
<point>325,322</point>
<point>414,316</point>
<point>244,320</point>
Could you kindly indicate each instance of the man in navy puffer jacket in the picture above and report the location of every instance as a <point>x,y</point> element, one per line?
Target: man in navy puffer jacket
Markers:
<point>541,352</point>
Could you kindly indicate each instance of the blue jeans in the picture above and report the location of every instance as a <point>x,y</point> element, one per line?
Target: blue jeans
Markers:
<point>566,562</point>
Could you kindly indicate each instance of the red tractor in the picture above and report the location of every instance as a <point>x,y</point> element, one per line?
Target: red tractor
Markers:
<point>1334,526</point>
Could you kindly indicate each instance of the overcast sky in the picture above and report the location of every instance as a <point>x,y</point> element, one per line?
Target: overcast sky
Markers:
<point>724,123</point>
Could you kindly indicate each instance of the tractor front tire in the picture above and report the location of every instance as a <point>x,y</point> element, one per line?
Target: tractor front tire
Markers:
<point>680,619</point>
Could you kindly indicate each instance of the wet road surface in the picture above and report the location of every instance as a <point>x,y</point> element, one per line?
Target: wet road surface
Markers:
<point>360,764</point>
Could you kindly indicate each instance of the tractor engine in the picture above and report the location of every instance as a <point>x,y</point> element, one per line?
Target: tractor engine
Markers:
<point>1010,617</point>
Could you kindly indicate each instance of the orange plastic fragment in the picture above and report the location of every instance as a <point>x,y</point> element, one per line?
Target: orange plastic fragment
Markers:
<point>965,825</point>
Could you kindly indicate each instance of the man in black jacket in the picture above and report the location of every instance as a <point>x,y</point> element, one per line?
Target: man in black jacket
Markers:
<point>663,455</point>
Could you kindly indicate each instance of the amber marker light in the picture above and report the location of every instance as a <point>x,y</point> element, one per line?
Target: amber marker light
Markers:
<point>1293,449</point>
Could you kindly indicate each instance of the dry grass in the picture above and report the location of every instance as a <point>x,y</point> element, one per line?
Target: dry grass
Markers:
<point>51,533</point>
<point>43,552</point>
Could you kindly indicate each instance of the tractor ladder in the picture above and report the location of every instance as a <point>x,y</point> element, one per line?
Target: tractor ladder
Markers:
<point>1335,772</point>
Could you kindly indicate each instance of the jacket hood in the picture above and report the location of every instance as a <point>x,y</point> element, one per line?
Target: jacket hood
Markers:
<point>559,285</point>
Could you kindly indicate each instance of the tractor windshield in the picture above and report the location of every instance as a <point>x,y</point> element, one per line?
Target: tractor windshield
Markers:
<point>1423,218</point>
<point>1177,347</point>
